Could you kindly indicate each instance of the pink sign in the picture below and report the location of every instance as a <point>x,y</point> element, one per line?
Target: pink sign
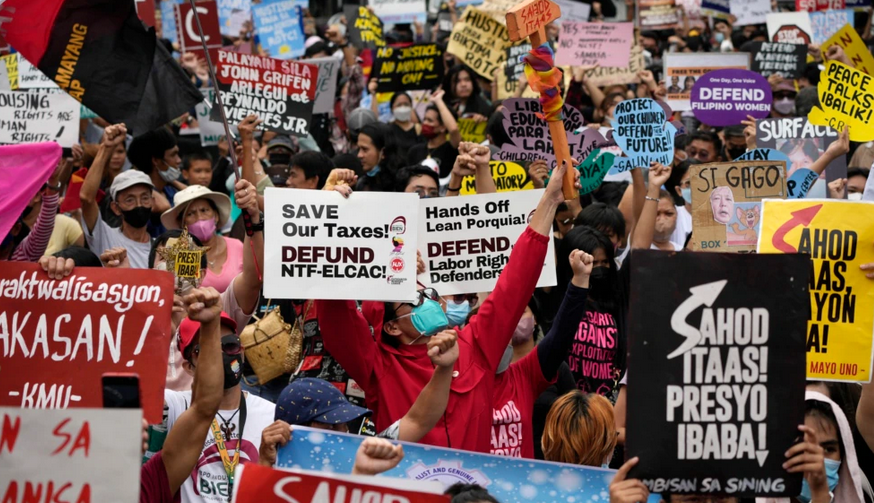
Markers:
<point>605,44</point>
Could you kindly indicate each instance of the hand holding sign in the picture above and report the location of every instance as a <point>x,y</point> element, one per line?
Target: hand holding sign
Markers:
<point>623,490</point>
<point>807,457</point>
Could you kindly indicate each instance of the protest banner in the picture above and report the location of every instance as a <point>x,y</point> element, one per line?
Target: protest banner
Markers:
<point>508,177</point>
<point>80,455</point>
<point>826,23</point>
<point>320,245</point>
<point>399,11</point>
<point>364,27</point>
<point>280,92</point>
<point>837,235</point>
<point>121,323</point>
<point>719,9</point>
<point>817,5</point>
<point>786,60</point>
<point>846,98</point>
<point>509,480</point>
<point>750,11</point>
<point>210,131</point>
<point>37,115</point>
<point>657,14</point>
<point>726,202</point>
<point>789,27</point>
<point>572,10</point>
<point>593,170</point>
<point>514,65</point>
<point>11,63</point>
<point>640,130</point>
<point>718,371</point>
<point>146,11</point>
<point>326,87</point>
<point>726,97</point>
<point>471,130</point>
<point>419,66</point>
<point>168,21</point>
<point>479,41</point>
<point>466,241</point>
<point>804,143</point>
<point>605,76</point>
<point>278,23</point>
<point>263,484</point>
<point>232,14</point>
<point>497,9</point>
<point>682,70</point>
<point>586,44</point>
<point>798,184</point>
<point>854,48</point>
<point>30,77</point>
<point>189,36</point>
<point>4,78</point>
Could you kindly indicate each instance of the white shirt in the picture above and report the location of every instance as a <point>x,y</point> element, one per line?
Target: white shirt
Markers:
<point>683,229</point>
<point>211,484</point>
<point>104,237</point>
<point>676,246</point>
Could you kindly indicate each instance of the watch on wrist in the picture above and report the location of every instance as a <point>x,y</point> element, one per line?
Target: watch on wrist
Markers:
<point>56,188</point>
<point>259,227</point>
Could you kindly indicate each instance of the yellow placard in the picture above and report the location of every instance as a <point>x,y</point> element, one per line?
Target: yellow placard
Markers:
<point>479,42</point>
<point>853,47</point>
<point>472,131</point>
<point>188,264</point>
<point>839,236</point>
<point>846,98</point>
<point>11,62</point>
<point>508,177</point>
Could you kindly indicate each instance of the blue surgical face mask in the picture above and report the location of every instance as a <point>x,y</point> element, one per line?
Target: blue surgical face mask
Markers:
<point>719,36</point>
<point>506,358</point>
<point>373,171</point>
<point>687,195</point>
<point>457,313</point>
<point>832,468</point>
<point>428,318</point>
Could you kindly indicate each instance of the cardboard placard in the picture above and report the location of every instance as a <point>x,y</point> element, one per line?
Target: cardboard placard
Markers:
<point>585,44</point>
<point>466,241</point>
<point>189,37</point>
<point>804,143</point>
<point>683,70</point>
<point>726,97</point>
<point>605,76</point>
<point>399,11</point>
<point>280,92</point>
<point>279,27</point>
<point>326,87</point>
<point>658,14</point>
<point>39,115</point>
<point>210,131</point>
<point>750,11</point>
<point>854,48</point>
<point>31,77</point>
<point>70,332</point>
<point>719,9</point>
<point>640,130</point>
<point>789,27</point>
<point>837,235</point>
<point>572,10</point>
<point>320,245</point>
<point>716,371</point>
<point>471,130</point>
<point>497,9</point>
<point>419,66</point>
<point>787,60</point>
<point>846,98</point>
<point>10,61</point>
<point>508,177</point>
<point>816,5</point>
<point>479,42</point>
<point>826,23</point>
<point>70,455</point>
<point>232,14</point>
<point>364,27</point>
<point>726,202</point>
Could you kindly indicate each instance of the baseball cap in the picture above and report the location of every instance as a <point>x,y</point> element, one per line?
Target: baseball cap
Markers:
<point>128,179</point>
<point>281,141</point>
<point>306,400</point>
<point>359,118</point>
<point>189,328</point>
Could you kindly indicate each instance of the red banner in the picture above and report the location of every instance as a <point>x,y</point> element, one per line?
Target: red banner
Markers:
<point>186,28</point>
<point>58,338</point>
<point>146,11</point>
<point>266,485</point>
<point>817,5</point>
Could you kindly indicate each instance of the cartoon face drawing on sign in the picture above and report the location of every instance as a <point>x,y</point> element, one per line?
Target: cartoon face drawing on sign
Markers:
<point>722,204</point>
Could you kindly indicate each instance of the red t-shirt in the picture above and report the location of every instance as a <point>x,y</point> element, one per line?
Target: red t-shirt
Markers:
<point>516,389</point>
<point>154,484</point>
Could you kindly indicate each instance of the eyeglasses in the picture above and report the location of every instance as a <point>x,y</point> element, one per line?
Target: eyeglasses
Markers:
<point>701,155</point>
<point>425,293</point>
<point>228,348</point>
<point>472,299</point>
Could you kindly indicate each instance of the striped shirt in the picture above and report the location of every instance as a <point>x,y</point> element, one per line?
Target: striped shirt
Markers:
<point>34,245</point>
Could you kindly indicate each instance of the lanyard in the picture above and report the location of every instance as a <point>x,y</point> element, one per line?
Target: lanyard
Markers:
<point>220,439</point>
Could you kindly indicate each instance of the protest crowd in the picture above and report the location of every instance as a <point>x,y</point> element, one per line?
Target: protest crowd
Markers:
<point>437,250</point>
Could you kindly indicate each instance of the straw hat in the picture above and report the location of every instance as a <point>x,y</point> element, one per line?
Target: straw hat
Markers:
<point>183,198</point>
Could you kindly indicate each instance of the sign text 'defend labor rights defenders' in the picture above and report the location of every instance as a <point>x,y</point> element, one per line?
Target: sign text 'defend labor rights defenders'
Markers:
<point>320,245</point>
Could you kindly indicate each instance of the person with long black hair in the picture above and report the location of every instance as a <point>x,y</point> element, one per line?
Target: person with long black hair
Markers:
<point>464,94</point>
<point>380,160</point>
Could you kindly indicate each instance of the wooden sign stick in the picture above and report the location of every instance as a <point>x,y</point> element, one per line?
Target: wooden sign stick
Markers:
<point>529,19</point>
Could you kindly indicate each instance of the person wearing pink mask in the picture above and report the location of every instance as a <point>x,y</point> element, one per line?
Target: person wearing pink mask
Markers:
<point>203,211</point>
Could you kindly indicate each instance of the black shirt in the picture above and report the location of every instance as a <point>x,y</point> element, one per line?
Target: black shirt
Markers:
<point>444,155</point>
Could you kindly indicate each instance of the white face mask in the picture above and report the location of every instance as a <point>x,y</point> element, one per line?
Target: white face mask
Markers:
<point>402,113</point>
<point>170,175</point>
<point>855,196</point>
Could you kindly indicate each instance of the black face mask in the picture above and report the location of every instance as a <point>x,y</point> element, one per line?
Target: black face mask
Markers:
<point>233,365</point>
<point>137,217</point>
<point>734,153</point>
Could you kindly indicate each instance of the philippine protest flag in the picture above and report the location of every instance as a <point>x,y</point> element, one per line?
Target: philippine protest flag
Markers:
<point>100,53</point>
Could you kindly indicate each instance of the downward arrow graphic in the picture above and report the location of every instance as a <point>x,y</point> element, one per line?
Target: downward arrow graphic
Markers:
<point>800,217</point>
<point>760,457</point>
<point>702,295</point>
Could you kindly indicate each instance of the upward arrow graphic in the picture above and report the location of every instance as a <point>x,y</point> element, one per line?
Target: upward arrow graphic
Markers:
<point>800,217</point>
<point>702,295</point>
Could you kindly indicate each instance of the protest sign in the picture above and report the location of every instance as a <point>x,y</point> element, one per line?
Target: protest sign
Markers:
<point>657,14</point>
<point>798,184</point>
<point>593,169</point>
<point>263,484</point>
<point>210,131</point>
<point>816,5</point>
<point>497,9</point>
<point>508,177</point>
<point>726,202</point>
<point>846,98</point>
<point>572,10</point>
<point>471,130</point>
<point>826,23</point>
<point>858,5</point>
<point>4,78</point>
<point>78,455</point>
<point>364,27</point>
<point>399,11</point>
<point>232,14</point>
<point>515,66</point>
<point>640,130</point>
<point>479,41</point>
<point>682,70</point>
<point>787,60</point>
<point>586,44</point>
<point>419,66</point>
<point>718,371</point>
<point>168,20</point>
<point>146,11</point>
<point>509,480</point>
<point>726,97</point>
<point>804,143</point>
<point>854,48</point>
<point>11,63</point>
<point>750,11</point>
<point>326,87</point>
<point>320,245</point>
<point>30,77</point>
<point>279,28</point>
<point>280,92</point>
<point>466,241</point>
<point>189,36</point>
<point>837,235</point>
<point>719,9</point>
<point>121,323</point>
<point>39,115</point>
<point>789,27</point>
<point>605,76</point>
